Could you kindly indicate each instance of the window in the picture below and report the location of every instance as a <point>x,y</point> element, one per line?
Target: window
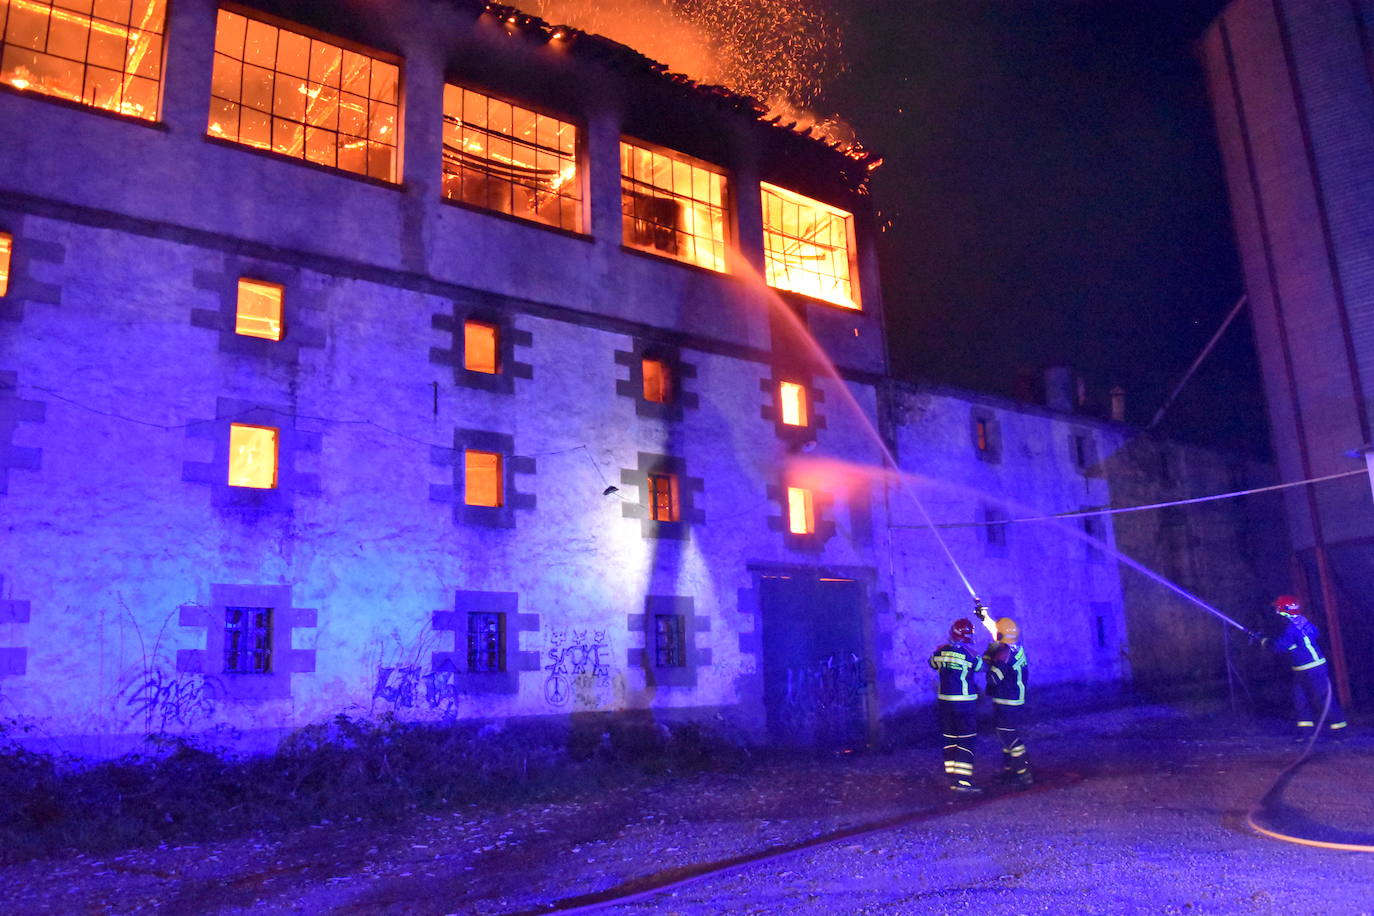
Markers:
<point>279,90</point>
<point>808,247</point>
<point>480,347</point>
<point>252,456</point>
<point>673,205</point>
<point>486,642</point>
<point>1081,449</point>
<point>668,642</point>
<point>793,400</point>
<point>658,386</point>
<point>247,640</point>
<point>980,434</point>
<point>259,310</point>
<point>663,504</point>
<point>106,54</point>
<point>6,246</point>
<point>482,478</point>
<point>502,157</point>
<point>995,527</point>
<point>800,516</point>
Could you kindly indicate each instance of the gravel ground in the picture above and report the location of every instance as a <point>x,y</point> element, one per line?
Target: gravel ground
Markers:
<point>1140,810</point>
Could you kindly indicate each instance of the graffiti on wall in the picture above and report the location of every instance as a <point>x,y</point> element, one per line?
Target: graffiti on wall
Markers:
<point>826,704</point>
<point>163,700</point>
<point>410,687</point>
<point>578,669</point>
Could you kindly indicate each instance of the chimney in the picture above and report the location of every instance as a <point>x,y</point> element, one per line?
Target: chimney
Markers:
<point>1118,404</point>
<point>1059,388</point>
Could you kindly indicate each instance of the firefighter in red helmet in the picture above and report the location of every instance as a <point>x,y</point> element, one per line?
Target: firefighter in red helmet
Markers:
<point>957,703</point>
<point>1311,682</point>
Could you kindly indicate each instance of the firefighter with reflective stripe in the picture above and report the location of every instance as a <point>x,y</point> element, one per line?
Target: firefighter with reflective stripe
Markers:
<point>1007,671</point>
<point>1311,683</point>
<point>957,703</point>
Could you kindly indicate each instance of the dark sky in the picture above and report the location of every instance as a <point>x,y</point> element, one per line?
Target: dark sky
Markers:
<point>1055,197</point>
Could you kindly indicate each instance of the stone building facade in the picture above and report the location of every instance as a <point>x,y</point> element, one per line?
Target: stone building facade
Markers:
<point>426,358</point>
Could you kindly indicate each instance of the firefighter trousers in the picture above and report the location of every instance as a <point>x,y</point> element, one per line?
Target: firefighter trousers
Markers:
<point>959,723</point>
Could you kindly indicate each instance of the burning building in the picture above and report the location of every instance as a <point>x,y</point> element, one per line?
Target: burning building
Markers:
<point>430,358</point>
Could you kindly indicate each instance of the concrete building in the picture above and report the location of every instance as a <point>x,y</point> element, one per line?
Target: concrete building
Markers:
<point>430,359</point>
<point>1293,90</point>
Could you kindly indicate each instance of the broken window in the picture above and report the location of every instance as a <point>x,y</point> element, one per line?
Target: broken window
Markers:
<point>673,205</point>
<point>808,247</point>
<point>259,310</point>
<point>279,90</point>
<point>800,517</point>
<point>486,642</point>
<point>247,640</point>
<point>510,159</point>
<point>6,246</point>
<point>669,648</point>
<point>658,385</point>
<point>663,504</point>
<point>480,347</point>
<point>482,478</point>
<point>252,456</point>
<point>106,54</point>
<point>793,399</point>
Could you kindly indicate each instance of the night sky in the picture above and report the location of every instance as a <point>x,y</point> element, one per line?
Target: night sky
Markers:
<point>1055,197</point>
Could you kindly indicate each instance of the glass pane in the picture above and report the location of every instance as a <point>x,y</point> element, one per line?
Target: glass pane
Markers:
<point>252,456</point>
<point>482,478</point>
<point>260,44</point>
<point>259,310</point>
<point>229,33</point>
<point>293,54</point>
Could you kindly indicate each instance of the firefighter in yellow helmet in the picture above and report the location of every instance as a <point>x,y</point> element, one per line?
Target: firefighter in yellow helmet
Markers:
<point>1007,671</point>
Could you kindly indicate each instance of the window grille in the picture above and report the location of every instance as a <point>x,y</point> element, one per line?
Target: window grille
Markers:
<point>657,381</point>
<point>808,247</point>
<point>252,456</point>
<point>258,313</point>
<point>486,642</point>
<point>673,205</point>
<point>247,640</point>
<point>480,347</point>
<point>106,54</point>
<point>662,504</point>
<point>279,90</point>
<point>510,159</point>
<point>669,648</point>
<point>482,478</point>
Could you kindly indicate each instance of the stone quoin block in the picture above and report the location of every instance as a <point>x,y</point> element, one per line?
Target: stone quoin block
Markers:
<point>513,501</point>
<point>26,254</point>
<point>643,658</point>
<point>490,310</point>
<point>291,445</point>
<point>13,411</point>
<point>300,310</point>
<point>688,489</point>
<point>515,660</point>
<point>679,372</point>
<point>285,660</point>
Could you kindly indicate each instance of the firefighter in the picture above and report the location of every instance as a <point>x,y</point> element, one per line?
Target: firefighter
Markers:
<point>1007,670</point>
<point>957,703</point>
<point>1311,683</point>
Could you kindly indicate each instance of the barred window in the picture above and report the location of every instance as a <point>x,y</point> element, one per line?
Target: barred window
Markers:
<point>658,385</point>
<point>669,651</point>
<point>6,245</point>
<point>486,642</point>
<point>252,456</point>
<point>793,398</point>
<point>103,53</point>
<point>480,348</point>
<point>247,640</point>
<point>258,312</point>
<point>663,498</point>
<point>302,97</point>
<point>801,518</point>
<point>513,160</point>
<point>482,478</point>
<point>674,205</point>
<point>808,247</point>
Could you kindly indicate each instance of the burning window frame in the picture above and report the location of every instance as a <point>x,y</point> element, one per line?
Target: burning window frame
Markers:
<point>294,131</point>
<point>644,203</point>
<point>784,252</point>
<point>138,80</point>
<point>560,167</point>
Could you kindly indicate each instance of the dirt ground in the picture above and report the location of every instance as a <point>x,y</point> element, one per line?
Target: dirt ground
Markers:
<point>1139,810</point>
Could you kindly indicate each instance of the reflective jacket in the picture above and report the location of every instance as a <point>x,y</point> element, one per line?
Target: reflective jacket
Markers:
<point>956,664</point>
<point>1007,672</point>
<point>1299,642</point>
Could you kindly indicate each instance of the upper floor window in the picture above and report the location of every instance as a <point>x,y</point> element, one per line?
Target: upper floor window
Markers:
<point>801,517</point>
<point>259,310</point>
<point>482,479</point>
<point>513,160</point>
<point>663,501</point>
<point>480,347</point>
<point>673,205</point>
<point>808,247</point>
<point>247,640</point>
<point>102,53</point>
<point>793,399</point>
<point>6,246</point>
<point>658,382</point>
<point>302,97</point>
<point>252,456</point>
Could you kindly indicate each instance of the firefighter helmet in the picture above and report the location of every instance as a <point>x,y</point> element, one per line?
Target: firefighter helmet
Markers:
<point>1007,630</point>
<point>1287,604</point>
<point>962,630</point>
